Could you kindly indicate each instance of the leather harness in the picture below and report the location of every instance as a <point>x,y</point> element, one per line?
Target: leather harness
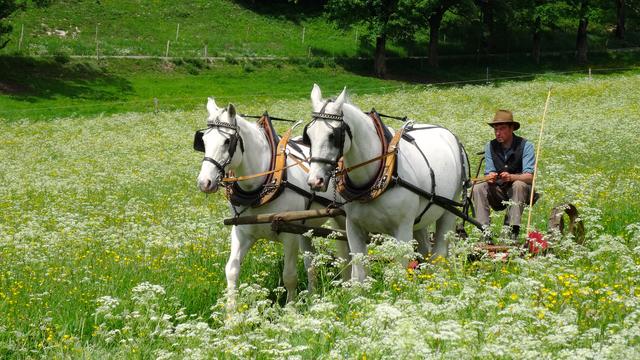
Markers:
<point>387,175</point>
<point>276,177</point>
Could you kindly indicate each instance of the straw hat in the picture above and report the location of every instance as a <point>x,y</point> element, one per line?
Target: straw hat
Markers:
<point>504,117</point>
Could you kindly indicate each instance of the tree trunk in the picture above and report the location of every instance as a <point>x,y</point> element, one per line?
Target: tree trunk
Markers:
<point>620,15</point>
<point>434,33</point>
<point>488,33</point>
<point>581,38</point>
<point>380,61</point>
<point>581,41</point>
<point>537,37</point>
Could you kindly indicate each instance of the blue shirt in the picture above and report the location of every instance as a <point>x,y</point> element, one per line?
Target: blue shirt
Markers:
<point>528,158</point>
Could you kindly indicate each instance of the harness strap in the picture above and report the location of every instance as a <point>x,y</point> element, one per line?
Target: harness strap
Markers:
<point>441,201</point>
<point>313,197</point>
<point>466,175</point>
<point>410,139</point>
<point>252,176</point>
<point>386,170</point>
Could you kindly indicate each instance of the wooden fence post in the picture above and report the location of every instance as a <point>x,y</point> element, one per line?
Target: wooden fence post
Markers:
<point>21,36</point>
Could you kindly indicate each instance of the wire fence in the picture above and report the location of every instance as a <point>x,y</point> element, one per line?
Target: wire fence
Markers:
<point>93,43</point>
<point>160,104</point>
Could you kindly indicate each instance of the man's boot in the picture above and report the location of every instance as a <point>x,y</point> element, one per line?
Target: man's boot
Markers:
<point>515,233</point>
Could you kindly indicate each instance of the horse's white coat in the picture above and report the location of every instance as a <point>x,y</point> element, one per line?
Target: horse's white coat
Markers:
<point>255,159</point>
<point>393,212</point>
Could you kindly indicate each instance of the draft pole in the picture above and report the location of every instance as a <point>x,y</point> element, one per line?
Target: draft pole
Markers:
<point>535,166</point>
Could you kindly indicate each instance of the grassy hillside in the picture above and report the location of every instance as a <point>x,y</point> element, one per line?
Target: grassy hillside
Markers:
<point>43,89</point>
<point>143,27</point>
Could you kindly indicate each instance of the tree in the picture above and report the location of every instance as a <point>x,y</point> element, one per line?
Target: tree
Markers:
<point>428,13</point>
<point>380,17</point>
<point>7,7</point>
<point>536,15</point>
<point>620,18</point>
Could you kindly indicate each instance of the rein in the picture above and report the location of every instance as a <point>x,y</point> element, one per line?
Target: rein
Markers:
<point>253,176</point>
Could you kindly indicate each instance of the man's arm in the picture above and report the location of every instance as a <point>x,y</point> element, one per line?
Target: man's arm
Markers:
<point>528,164</point>
<point>489,167</point>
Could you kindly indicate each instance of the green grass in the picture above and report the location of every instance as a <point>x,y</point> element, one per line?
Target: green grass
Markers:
<point>46,88</point>
<point>92,208</point>
<point>144,27</point>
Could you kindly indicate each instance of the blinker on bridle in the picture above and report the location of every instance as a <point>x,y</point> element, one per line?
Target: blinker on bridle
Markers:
<point>338,134</point>
<point>198,143</point>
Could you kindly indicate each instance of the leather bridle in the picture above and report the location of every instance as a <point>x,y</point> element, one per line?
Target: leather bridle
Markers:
<point>338,134</point>
<point>234,139</point>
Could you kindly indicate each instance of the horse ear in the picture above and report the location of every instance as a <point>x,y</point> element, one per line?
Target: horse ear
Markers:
<point>231,111</point>
<point>211,106</point>
<point>342,98</point>
<point>316,97</point>
<point>349,113</point>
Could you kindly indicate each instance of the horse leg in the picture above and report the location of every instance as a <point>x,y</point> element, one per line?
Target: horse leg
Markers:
<point>404,233</point>
<point>342,249</point>
<point>308,253</point>
<point>444,224</point>
<point>357,238</point>
<point>290,244</point>
<point>422,237</point>
<point>239,248</point>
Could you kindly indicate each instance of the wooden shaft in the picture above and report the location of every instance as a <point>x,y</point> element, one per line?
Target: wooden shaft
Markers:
<point>535,166</point>
<point>284,216</point>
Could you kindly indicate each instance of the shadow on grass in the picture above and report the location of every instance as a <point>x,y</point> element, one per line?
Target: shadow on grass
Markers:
<point>456,71</point>
<point>284,9</point>
<point>34,79</point>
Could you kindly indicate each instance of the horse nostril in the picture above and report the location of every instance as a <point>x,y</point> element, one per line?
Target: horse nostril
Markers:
<point>207,184</point>
<point>319,182</point>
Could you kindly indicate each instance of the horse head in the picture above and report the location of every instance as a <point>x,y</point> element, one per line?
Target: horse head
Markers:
<point>221,143</point>
<point>328,137</point>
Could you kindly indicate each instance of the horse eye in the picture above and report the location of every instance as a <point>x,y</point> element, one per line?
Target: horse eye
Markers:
<point>330,138</point>
<point>226,141</point>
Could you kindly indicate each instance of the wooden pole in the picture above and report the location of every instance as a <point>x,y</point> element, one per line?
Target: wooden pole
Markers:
<point>21,36</point>
<point>177,32</point>
<point>97,51</point>
<point>303,28</point>
<point>535,166</point>
<point>284,216</point>
<point>166,54</point>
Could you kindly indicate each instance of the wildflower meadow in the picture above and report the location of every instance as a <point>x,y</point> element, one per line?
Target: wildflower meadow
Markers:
<point>108,250</point>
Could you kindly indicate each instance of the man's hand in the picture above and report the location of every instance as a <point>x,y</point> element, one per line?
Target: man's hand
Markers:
<point>506,177</point>
<point>491,177</point>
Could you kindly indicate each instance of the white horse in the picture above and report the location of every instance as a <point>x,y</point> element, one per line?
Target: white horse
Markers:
<point>395,211</point>
<point>232,143</point>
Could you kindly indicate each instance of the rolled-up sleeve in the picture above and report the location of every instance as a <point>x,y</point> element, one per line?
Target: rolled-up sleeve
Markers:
<point>528,158</point>
<point>488,160</point>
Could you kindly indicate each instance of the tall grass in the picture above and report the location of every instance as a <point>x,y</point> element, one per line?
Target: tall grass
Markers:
<point>108,249</point>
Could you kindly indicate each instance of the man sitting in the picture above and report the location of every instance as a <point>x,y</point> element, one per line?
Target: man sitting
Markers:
<point>509,166</point>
